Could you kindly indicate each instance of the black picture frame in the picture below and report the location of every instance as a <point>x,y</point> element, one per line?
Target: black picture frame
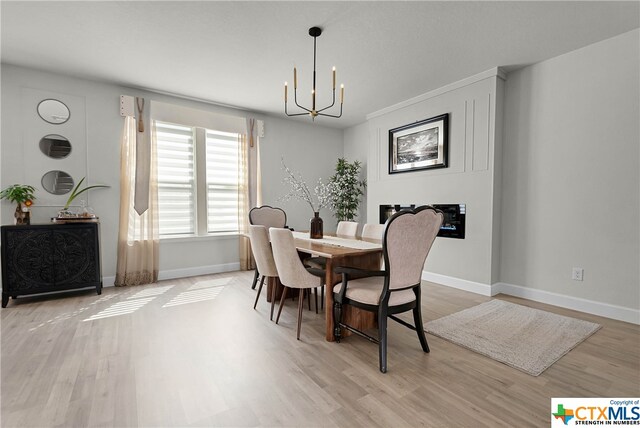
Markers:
<point>420,145</point>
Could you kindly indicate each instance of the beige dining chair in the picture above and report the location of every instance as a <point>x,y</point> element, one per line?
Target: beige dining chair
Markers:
<point>292,272</point>
<point>267,216</point>
<point>347,229</point>
<point>263,256</point>
<point>372,231</point>
<point>407,240</point>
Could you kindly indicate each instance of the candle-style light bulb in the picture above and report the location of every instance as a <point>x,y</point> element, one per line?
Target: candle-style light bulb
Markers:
<point>285,92</point>
<point>342,94</point>
<point>334,77</point>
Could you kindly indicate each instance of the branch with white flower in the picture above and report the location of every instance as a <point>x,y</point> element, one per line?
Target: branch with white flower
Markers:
<point>322,192</point>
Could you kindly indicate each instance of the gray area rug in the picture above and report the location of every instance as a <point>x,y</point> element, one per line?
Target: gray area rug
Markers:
<point>527,339</point>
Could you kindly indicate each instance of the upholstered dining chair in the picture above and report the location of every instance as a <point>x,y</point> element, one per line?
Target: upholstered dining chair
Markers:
<point>292,272</point>
<point>372,231</point>
<point>267,216</point>
<point>407,240</point>
<point>263,256</point>
<point>347,229</point>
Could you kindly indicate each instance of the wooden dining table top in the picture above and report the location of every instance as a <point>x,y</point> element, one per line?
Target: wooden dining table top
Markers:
<point>317,248</point>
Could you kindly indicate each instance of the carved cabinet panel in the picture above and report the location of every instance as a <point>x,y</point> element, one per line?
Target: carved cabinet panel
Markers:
<point>45,258</point>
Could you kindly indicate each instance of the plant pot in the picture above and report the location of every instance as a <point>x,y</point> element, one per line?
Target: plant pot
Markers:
<point>315,231</point>
<point>22,217</point>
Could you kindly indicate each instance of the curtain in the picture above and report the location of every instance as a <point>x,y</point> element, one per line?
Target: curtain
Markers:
<point>138,239</point>
<point>249,189</point>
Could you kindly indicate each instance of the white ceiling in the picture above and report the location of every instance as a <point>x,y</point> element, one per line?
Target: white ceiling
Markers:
<point>240,53</point>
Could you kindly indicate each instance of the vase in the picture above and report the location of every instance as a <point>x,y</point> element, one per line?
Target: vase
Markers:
<point>22,216</point>
<point>315,231</point>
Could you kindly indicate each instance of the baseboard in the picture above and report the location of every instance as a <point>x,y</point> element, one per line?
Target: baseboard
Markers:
<point>108,281</point>
<point>606,310</point>
<point>461,284</point>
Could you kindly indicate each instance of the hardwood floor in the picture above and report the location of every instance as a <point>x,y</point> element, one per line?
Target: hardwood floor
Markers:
<point>193,352</point>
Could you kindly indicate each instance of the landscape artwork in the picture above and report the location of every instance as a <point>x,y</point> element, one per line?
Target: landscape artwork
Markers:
<point>420,145</point>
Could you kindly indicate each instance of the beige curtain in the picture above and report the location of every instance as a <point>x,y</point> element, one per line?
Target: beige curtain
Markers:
<point>249,189</point>
<point>138,239</point>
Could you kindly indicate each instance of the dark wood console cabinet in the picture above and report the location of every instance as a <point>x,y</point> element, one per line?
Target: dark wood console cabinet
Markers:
<point>45,258</point>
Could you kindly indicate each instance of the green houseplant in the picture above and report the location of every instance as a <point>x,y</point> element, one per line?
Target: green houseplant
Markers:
<point>77,191</point>
<point>346,189</point>
<point>23,196</point>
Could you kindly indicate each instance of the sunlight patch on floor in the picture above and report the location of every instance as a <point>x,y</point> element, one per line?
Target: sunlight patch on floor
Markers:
<point>152,291</point>
<point>121,308</point>
<point>211,283</point>
<point>194,296</point>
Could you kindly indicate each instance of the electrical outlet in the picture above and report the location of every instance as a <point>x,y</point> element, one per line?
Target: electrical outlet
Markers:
<point>577,274</point>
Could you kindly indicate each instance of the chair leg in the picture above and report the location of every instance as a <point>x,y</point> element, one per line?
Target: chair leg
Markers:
<point>382,338</point>
<point>322,297</point>
<point>337,319</point>
<point>258,295</point>
<point>300,306</point>
<point>417,319</point>
<point>309,292</point>
<point>284,296</point>
<point>255,279</point>
<point>315,295</point>
<point>273,296</point>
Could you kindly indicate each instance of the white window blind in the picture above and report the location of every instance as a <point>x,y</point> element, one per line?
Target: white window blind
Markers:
<point>176,179</point>
<point>222,181</point>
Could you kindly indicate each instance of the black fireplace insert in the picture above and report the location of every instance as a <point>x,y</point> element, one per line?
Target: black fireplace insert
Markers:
<point>454,217</point>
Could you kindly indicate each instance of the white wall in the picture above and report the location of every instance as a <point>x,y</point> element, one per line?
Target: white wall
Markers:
<point>309,149</point>
<point>356,148</point>
<point>305,146</point>
<point>469,178</point>
<point>559,188</point>
<point>571,181</point>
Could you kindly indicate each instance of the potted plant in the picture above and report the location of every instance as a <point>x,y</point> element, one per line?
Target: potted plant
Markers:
<point>23,196</point>
<point>346,189</point>
<point>74,194</point>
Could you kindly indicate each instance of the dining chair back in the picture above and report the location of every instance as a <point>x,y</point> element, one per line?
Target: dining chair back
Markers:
<point>406,243</point>
<point>263,256</point>
<point>347,229</point>
<point>373,231</point>
<point>268,216</point>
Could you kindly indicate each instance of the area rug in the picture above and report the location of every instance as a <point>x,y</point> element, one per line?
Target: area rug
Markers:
<point>527,339</point>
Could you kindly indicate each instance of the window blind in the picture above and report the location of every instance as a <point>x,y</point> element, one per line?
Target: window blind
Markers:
<point>222,181</point>
<point>176,179</point>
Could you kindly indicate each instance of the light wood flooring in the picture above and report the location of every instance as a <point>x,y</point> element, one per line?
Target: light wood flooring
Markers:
<point>193,352</point>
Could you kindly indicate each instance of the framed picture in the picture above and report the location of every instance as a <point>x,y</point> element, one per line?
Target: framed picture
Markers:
<point>420,145</point>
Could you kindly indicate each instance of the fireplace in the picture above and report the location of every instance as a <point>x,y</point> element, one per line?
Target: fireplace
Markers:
<point>454,217</point>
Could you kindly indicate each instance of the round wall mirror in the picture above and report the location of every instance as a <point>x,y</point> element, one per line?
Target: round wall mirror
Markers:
<point>53,111</point>
<point>55,146</point>
<point>57,182</point>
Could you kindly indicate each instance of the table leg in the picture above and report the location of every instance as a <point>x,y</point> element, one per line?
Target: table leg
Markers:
<point>272,281</point>
<point>362,320</point>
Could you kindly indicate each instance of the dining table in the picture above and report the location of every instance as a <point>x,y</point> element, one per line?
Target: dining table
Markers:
<point>342,251</point>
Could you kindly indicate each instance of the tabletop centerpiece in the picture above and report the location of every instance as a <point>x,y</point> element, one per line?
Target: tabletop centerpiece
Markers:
<point>318,199</point>
<point>85,213</point>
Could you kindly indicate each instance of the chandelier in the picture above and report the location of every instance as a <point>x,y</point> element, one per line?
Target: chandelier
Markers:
<point>313,112</point>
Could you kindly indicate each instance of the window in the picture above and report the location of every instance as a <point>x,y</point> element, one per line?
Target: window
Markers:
<point>222,182</point>
<point>197,180</point>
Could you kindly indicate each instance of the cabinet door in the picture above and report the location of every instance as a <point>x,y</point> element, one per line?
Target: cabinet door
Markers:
<point>28,258</point>
<point>75,258</point>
